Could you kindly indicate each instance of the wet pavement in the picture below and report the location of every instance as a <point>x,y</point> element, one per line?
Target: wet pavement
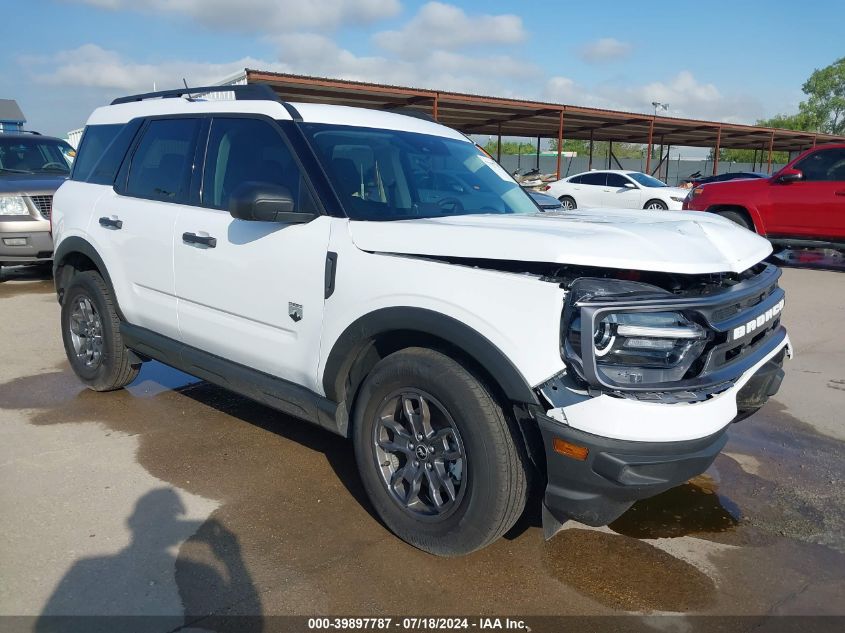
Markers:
<point>176,497</point>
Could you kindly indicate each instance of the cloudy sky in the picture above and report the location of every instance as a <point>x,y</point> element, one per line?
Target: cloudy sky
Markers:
<point>732,61</point>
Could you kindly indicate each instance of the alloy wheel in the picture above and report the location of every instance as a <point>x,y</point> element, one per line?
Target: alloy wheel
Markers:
<point>420,454</point>
<point>86,332</point>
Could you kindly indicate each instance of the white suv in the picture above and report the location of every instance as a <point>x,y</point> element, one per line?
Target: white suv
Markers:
<point>305,256</point>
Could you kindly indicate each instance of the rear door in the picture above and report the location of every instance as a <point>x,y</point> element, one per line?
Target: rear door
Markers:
<point>620,194</point>
<point>133,223</point>
<point>589,191</point>
<point>813,207</point>
<point>251,292</point>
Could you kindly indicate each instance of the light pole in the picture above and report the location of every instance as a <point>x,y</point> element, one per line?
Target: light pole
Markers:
<point>659,106</point>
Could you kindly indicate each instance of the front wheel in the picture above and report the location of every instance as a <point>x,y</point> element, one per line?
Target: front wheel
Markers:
<point>91,335</point>
<point>737,218</point>
<point>656,205</point>
<point>437,455</point>
<point>568,203</point>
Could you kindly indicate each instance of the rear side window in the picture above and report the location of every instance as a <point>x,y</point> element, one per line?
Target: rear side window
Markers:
<point>575,180</point>
<point>162,163</point>
<point>594,178</point>
<point>95,140</point>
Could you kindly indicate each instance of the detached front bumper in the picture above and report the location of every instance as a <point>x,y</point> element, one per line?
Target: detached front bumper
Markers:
<point>597,485</point>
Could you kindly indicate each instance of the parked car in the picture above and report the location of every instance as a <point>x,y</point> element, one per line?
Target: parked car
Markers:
<point>698,179</point>
<point>616,189</point>
<point>284,251</point>
<point>544,201</point>
<point>803,204</point>
<point>32,167</point>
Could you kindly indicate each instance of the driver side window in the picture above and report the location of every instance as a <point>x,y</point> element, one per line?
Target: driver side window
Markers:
<point>249,150</point>
<point>824,165</point>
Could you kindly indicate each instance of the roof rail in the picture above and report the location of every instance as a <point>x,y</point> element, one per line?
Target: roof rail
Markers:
<point>248,92</point>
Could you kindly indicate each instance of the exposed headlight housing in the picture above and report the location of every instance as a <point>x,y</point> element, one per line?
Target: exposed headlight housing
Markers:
<point>13,205</point>
<point>611,341</point>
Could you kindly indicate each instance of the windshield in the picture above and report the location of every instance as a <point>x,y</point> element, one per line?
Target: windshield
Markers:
<point>646,180</point>
<point>395,175</point>
<point>35,155</point>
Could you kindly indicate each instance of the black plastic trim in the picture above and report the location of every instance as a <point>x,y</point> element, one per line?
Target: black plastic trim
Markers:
<point>275,392</point>
<point>408,319</point>
<point>75,244</point>
<point>331,273</point>
<point>247,92</point>
<point>616,473</point>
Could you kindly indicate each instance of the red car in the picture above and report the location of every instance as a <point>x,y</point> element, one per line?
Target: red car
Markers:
<point>801,205</point>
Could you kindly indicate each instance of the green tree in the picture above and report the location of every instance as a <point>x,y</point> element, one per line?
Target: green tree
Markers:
<point>800,121</point>
<point>826,104</point>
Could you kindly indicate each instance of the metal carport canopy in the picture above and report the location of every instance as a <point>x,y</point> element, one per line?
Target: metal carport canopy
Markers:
<point>477,114</point>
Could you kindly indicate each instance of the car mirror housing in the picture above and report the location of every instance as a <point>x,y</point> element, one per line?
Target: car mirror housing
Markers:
<point>788,175</point>
<point>265,202</point>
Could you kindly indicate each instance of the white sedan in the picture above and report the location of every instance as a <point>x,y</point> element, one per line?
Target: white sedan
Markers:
<point>615,188</point>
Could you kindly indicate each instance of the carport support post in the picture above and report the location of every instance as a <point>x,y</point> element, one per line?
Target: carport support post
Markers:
<point>668,151</point>
<point>650,146</point>
<point>717,150</point>
<point>538,153</point>
<point>771,149</point>
<point>499,144</point>
<point>590,164</point>
<point>434,106</point>
<point>609,152</point>
<point>559,143</point>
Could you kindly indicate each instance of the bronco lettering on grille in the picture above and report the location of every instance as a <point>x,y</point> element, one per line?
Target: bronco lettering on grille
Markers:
<point>759,322</point>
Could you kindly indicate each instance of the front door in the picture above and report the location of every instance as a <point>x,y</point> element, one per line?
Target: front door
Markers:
<point>251,292</point>
<point>621,193</point>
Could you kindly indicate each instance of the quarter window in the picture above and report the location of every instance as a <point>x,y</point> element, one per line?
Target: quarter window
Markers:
<point>162,165</point>
<point>95,140</point>
<point>249,150</point>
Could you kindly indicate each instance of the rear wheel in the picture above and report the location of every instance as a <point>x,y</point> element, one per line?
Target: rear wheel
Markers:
<point>737,218</point>
<point>91,334</point>
<point>568,203</point>
<point>656,205</point>
<point>438,458</point>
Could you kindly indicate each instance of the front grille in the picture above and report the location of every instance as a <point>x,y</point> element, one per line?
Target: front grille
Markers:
<point>44,204</point>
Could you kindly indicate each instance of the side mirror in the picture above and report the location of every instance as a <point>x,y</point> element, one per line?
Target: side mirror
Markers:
<point>265,202</point>
<point>630,185</point>
<point>788,174</point>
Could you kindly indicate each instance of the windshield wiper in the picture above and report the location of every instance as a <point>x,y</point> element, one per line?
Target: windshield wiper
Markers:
<point>16,171</point>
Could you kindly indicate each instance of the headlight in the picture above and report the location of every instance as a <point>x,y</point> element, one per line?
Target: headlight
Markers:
<point>609,341</point>
<point>13,205</point>
<point>678,198</point>
<point>696,191</point>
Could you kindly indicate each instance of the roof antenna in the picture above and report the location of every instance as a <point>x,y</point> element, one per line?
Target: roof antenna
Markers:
<point>188,96</point>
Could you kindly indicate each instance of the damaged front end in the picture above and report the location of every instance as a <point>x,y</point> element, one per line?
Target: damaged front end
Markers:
<point>654,375</point>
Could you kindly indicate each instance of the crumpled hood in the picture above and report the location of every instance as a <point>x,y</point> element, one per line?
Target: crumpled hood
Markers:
<point>681,242</point>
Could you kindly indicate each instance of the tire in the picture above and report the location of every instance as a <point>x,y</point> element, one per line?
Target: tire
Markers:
<point>656,205</point>
<point>488,482</point>
<point>91,335</point>
<point>568,203</point>
<point>737,218</point>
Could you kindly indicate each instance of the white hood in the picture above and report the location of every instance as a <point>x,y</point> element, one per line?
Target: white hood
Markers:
<point>681,242</point>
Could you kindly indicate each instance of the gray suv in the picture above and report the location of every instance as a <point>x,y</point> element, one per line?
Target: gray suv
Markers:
<point>32,167</point>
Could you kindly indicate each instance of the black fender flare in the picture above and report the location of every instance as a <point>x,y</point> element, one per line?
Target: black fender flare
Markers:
<point>428,322</point>
<point>76,244</point>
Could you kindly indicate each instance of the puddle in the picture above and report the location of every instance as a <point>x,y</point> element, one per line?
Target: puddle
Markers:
<point>690,509</point>
<point>627,573</point>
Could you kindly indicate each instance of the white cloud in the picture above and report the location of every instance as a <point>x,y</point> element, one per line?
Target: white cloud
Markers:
<point>91,66</point>
<point>605,49</point>
<point>447,27</point>
<point>685,95</point>
<point>264,16</point>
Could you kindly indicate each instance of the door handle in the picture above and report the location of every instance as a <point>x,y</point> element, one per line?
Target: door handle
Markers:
<point>111,223</point>
<point>205,240</point>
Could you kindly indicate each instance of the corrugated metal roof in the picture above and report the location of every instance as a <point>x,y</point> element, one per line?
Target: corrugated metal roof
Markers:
<point>481,114</point>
